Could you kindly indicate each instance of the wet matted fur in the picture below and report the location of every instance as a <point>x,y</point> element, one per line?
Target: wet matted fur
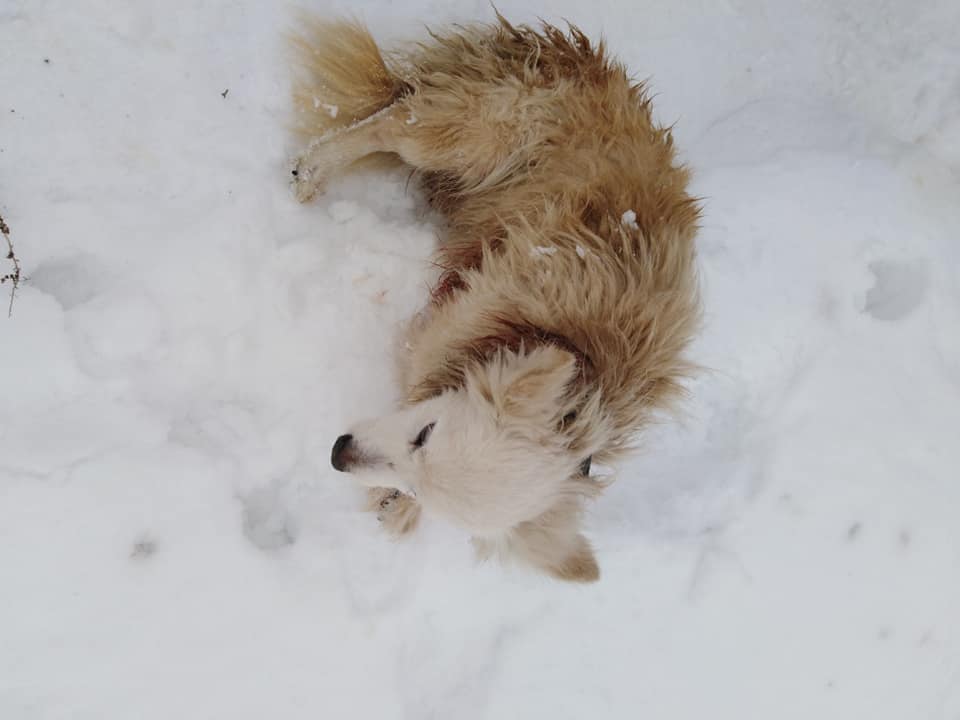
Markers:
<point>568,292</point>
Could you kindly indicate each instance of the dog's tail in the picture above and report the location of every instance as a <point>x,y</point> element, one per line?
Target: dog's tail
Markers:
<point>343,77</point>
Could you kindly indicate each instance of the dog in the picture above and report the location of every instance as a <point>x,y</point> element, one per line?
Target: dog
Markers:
<point>557,327</point>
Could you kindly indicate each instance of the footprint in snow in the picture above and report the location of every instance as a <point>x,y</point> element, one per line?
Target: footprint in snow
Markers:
<point>266,522</point>
<point>899,289</point>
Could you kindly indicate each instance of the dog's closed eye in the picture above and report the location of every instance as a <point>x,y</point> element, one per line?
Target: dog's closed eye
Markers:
<point>422,436</point>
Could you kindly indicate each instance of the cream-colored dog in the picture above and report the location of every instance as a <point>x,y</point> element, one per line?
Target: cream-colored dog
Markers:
<point>568,291</point>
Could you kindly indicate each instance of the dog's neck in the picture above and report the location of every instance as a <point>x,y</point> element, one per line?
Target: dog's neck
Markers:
<point>511,335</point>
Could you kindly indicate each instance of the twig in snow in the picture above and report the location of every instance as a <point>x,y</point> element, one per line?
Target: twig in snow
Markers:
<point>13,277</point>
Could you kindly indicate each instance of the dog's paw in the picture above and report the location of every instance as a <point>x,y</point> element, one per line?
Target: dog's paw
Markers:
<point>398,513</point>
<point>305,180</point>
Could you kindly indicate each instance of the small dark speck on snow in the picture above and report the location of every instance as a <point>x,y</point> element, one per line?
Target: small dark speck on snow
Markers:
<point>143,549</point>
<point>46,60</point>
<point>853,532</point>
<point>224,93</point>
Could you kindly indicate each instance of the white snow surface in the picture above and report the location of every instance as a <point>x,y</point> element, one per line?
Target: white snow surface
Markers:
<point>190,340</point>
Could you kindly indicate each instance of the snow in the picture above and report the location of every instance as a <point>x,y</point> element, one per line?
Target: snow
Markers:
<point>190,340</point>
<point>543,251</point>
<point>629,218</point>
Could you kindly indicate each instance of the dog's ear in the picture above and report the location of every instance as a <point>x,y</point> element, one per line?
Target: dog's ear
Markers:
<point>553,543</point>
<point>531,385</point>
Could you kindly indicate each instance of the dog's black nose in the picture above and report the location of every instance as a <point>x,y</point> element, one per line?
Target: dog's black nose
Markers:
<point>338,456</point>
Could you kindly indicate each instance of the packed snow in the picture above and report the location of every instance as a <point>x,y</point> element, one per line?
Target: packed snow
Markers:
<point>189,340</point>
<point>543,250</point>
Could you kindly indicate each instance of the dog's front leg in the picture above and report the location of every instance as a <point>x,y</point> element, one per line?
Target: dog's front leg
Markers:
<point>399,513</point>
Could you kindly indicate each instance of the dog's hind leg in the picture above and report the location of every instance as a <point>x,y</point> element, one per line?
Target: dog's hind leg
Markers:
<point>331,154</point>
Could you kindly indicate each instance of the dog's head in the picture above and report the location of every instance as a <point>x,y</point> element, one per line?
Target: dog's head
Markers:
<point>495,457</point>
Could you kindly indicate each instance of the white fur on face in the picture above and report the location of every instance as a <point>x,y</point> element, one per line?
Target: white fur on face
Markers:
<point>387,446</point>
<point>495,457</point>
